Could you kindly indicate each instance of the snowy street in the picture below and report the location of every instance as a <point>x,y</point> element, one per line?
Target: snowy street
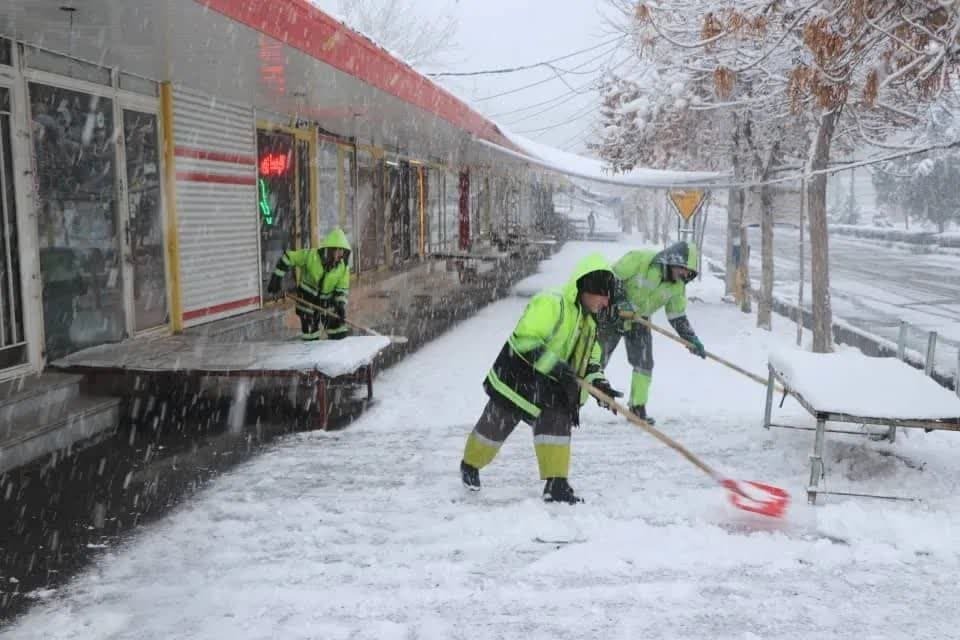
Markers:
<point>873,285</point>
<point>367,532</point>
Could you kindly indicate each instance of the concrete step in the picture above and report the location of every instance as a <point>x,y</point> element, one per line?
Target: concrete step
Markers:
<point>25,396</point>
<point>81,421</point>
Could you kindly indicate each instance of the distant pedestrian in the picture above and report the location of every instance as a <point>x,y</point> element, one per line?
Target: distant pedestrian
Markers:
<point>592,221</point>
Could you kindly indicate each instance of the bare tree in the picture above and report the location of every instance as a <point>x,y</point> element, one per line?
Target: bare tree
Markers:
<point>403,27</point>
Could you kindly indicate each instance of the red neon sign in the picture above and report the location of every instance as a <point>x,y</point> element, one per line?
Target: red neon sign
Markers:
<point>274,164</point>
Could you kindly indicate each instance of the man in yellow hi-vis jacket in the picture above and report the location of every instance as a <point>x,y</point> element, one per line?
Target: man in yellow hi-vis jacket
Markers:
<point>323,281</point>
<point>534,379</point>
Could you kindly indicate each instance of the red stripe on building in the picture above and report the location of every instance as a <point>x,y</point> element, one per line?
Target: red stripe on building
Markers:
<point>217,156</point>
<point>220,308</point>
<point>302,26</point>
<point>214,178</point>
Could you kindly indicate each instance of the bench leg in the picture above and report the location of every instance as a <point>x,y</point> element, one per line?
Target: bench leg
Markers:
<point>816,461</point>
<point>370,382</point>
<point>768,406</point>
<point>320,408</point>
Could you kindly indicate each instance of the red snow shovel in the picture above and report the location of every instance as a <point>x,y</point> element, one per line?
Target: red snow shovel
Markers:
<point>766,500</point>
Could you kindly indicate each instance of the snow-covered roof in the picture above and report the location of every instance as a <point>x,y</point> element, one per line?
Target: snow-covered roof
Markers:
<point>594,169</point>
<point>852,383</point>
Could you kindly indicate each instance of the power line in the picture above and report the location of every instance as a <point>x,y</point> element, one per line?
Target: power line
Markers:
<point>525,67</point>
<point>560,99</point>
<point>539,82</point>
<point>580,114</point>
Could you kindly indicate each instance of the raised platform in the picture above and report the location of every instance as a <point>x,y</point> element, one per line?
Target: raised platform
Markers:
<point>321,365</point>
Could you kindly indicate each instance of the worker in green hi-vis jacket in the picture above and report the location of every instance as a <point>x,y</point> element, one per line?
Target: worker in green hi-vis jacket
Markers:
<point>323,282</point>
<point>534,378</point>
<point>648,280</point>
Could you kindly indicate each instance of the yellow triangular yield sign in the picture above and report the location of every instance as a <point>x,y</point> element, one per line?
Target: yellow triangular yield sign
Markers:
<point>687,201</point>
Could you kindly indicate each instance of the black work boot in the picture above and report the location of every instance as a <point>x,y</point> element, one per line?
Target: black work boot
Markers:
<point>470,476</point>
<point>559,490</point>
<point>640,410</point>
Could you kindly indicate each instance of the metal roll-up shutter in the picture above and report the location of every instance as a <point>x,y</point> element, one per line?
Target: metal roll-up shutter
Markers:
<point>216,164</point>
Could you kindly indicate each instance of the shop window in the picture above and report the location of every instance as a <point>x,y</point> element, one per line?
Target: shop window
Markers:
<point>276,198</point>
<point>347,185</point>
<point>13,346</point>
<point>304,187</point>
<point>398,184</point>
<point>6,52</point>
<point>370,210</point>
<point>434,209</point>
<point>66,66</point>
<point>328,180</point>
<point>451,223</point>
<point>74,144</point>
<point>145,228</point>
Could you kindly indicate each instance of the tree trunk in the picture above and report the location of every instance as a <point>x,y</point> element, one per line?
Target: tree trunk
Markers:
<point>819,239</point>
<point>733,240</point>
<point>765,306</point>
<point>667,220</point>
<point>743,273</point>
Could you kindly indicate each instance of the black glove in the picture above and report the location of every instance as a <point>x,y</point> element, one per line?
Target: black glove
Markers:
<point>275,286</point>
<point>603,385</point>
<point>340,309</point>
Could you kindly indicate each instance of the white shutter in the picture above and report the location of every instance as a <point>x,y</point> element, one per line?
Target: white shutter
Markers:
<point>216,163</point>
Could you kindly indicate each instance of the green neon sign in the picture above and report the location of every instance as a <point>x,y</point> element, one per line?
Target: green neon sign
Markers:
<point>266,213</point>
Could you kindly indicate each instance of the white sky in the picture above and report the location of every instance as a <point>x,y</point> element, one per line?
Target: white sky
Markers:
<point>507,33</point>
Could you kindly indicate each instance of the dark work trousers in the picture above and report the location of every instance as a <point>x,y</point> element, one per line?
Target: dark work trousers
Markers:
<point>639,342</point>
<point>551,437</point>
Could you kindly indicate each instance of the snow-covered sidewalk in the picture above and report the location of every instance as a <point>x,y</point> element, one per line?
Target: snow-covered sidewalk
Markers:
<point>367,533</point>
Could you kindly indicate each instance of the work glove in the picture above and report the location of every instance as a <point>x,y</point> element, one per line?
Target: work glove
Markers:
<point>603,385</point>
<point>275,286</point>
<point>341,310</point>
<point>696,347</point>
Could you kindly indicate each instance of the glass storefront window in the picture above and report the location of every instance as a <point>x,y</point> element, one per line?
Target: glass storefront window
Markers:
<point>276,201</point>
<point>146,222</point>
<point>434,211</point>
<point>370,214</point>
<point>347,182</point>
<point>451,235</point>
<point>329,196</point>
<point>13,347</point>
<point>304,185</point>
<point>74,144</point>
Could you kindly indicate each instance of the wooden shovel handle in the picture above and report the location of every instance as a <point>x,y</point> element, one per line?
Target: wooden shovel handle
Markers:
<point>627,315</point>
<point>649,428</point>
<point>310,305</point>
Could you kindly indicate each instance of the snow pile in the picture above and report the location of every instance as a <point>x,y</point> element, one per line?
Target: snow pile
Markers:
<point>852,383</point>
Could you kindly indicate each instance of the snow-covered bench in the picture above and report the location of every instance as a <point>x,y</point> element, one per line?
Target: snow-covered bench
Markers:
<point>851,387</point>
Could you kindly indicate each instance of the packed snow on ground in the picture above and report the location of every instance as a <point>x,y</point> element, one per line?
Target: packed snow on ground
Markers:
<point>367,532</point>
<point>850,382</point>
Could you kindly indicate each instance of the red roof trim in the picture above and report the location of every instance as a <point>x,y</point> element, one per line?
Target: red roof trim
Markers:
<point>303,26</point>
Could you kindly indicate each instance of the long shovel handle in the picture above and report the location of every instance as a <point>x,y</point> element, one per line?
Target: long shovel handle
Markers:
<point>649,428</point>
<point>310,305</point>
<point>626,315</point>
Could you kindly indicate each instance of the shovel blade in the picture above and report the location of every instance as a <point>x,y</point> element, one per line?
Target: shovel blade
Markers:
<point>772,501</point>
